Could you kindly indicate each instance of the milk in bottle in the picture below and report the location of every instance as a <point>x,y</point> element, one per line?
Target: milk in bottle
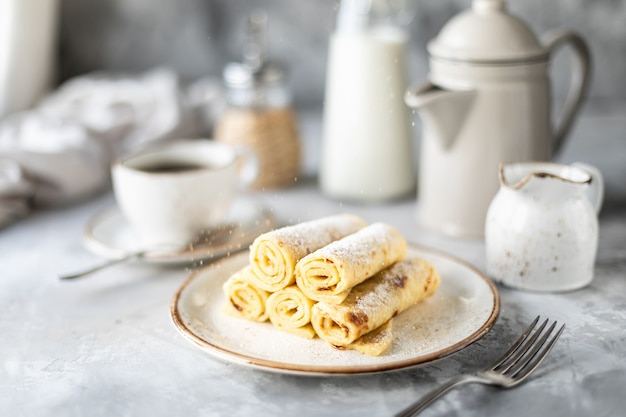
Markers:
<point>366,151</point>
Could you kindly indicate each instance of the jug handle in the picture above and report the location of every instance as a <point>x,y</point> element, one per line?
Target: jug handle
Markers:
<point>595,192</point>
<point>579,83</point>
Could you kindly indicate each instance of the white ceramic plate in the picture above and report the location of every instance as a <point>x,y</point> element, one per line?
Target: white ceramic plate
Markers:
<point>463,310</point>
<point>108,234</point>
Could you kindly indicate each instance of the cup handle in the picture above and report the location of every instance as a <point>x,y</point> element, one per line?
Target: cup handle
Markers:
<point>579,82</point>
<point>248,166</point>
<point>595,192</point>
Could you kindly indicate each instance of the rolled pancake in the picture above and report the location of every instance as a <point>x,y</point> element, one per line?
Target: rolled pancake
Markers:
<point>290,310</point>
<point>330,272</point>
<point>245,299</point>
<point>375,301</point>
<point>374,343</point>
<point>273,255</point>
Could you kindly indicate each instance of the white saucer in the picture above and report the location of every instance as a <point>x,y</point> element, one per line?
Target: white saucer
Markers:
<point>108,234</point>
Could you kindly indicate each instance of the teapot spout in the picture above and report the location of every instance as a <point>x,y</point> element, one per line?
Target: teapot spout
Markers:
<point>442,111</point>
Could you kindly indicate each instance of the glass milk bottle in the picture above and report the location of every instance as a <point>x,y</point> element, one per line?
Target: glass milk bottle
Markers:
<point>367,154</point>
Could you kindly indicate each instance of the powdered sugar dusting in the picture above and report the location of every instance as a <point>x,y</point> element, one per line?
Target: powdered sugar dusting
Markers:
<point>371,294</point>
<point>360,247</point>
<point>306,237</point>
<point>336,268</point>
<point>375,301</point>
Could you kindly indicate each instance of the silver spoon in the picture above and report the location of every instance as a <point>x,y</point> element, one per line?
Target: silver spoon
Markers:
<point>205,238</point>
<point>129,257</point>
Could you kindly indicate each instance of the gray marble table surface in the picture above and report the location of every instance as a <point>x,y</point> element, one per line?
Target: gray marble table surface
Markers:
<point>105,345</point>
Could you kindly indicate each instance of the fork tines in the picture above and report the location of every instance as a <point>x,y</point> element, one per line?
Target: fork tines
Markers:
<point>518,361</point>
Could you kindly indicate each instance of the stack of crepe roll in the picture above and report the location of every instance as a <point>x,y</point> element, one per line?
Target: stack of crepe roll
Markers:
<point>336,277</point>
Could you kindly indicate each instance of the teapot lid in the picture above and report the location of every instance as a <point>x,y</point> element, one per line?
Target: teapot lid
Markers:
<point>487,33</point>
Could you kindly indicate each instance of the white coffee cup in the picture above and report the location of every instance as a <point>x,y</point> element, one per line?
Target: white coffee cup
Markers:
<point>171,193</point>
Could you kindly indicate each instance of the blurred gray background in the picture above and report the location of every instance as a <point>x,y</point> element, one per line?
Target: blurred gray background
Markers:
<point>198,37</point>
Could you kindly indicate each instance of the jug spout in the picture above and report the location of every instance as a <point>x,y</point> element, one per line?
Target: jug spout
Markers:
<point>443,111</point>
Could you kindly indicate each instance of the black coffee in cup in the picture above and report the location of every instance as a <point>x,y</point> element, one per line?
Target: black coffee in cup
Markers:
<point>172,167</point>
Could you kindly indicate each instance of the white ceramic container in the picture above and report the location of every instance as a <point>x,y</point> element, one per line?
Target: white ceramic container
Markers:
<point>541,228</point>
<point>487,101</point>
<point>171,193</point>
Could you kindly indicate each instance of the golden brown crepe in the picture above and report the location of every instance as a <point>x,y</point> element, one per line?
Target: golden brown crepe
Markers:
<point>374,343</point>
<point>375,301</point>
<point>290,310</point>
<point>245,299</point>
<point>273,255</point>
<point>330,272</point>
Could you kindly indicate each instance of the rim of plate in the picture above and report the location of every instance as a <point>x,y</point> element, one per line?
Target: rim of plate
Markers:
<point>313,370</point>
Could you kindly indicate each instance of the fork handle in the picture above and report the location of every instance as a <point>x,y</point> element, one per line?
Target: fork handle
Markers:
<point>425,401</point>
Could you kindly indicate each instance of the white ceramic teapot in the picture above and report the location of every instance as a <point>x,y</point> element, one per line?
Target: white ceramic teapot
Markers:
<point>541,230</point>
<point>487,101</point>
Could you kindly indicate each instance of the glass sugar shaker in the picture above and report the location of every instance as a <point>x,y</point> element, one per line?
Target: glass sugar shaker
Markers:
<point>259,113</point>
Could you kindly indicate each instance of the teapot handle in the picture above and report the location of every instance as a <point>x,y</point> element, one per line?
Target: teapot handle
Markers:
<point>596,188</point>
<point>579,82</point>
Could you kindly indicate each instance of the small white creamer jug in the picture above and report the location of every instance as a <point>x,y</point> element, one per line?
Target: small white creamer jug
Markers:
<point>541,228</point>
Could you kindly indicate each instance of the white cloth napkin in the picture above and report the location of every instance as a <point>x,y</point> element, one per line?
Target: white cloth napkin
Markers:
<point>61,151</point>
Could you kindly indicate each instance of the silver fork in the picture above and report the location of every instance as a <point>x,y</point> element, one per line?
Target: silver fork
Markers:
<point>510,370</point>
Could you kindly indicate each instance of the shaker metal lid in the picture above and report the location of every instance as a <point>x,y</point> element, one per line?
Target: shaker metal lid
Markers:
<point>487,34</point>
<point>255,71</point>
<point>240,75</point>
